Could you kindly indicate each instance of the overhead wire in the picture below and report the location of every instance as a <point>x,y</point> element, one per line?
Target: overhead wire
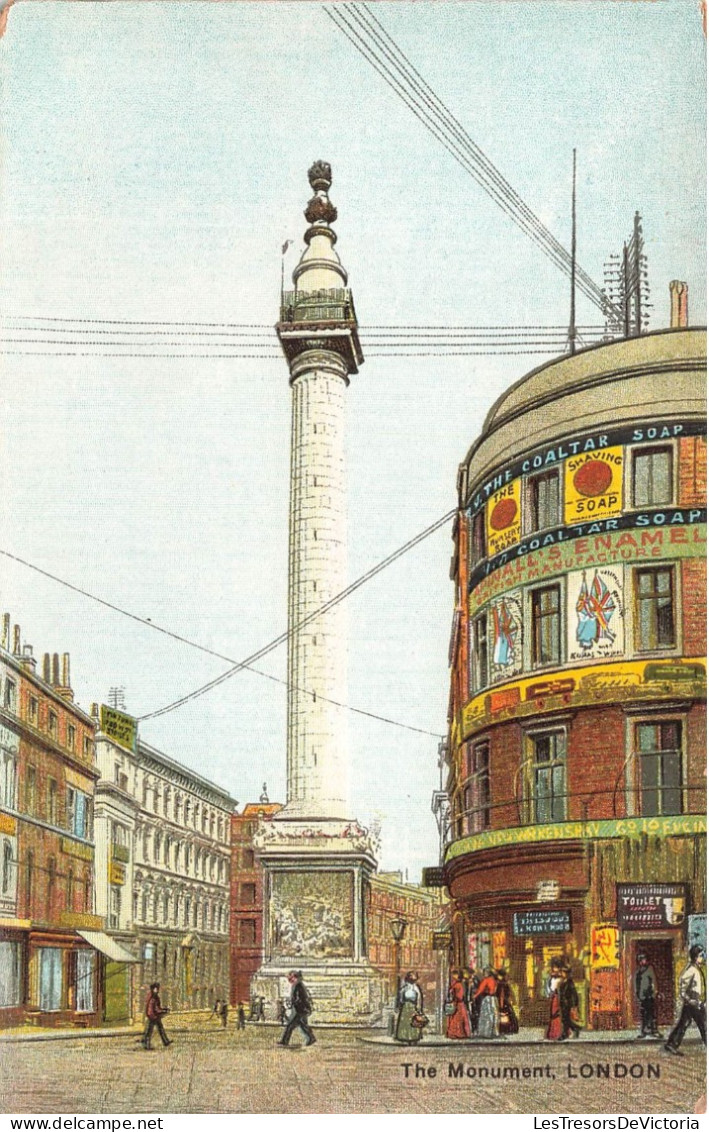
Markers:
<point>363,30</point>
<point>249,662</point>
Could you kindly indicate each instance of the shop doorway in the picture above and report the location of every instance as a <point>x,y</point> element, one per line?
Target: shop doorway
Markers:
<point>659,953</point>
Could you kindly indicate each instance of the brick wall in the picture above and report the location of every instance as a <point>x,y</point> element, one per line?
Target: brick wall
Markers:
<point>693,471</point>
<point>694,606</point>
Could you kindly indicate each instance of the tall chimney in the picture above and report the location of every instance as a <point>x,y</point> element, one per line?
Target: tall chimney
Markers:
<point>16,648</point>
<point>47,668</point>
<point>6,631</point>
<point>679,304</point>
<point>66,681</point>
<point>55,669</point>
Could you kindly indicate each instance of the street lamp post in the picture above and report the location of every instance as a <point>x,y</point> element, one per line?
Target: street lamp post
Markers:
<point>398,927</point>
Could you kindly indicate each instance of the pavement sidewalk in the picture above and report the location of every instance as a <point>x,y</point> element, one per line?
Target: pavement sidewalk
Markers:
<point>527,1036</point>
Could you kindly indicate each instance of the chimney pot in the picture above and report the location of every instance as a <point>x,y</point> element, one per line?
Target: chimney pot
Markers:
<point>55,669</point>
<point>16,640</point>
<point>47,668</point>
<point>679,305</point>
<point>66,680</point>
<point>6,631</point>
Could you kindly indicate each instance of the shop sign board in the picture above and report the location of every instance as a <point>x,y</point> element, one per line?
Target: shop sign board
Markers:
<point>121,728</point>
<point>542,921</point>
<point>441,940</point>
<point>653,907</point>
<point>548,890</point>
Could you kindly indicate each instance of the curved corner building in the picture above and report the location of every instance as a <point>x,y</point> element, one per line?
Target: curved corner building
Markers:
<point>577,731</point>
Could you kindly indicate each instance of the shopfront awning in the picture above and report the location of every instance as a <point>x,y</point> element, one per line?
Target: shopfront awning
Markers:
<point>109,947</point>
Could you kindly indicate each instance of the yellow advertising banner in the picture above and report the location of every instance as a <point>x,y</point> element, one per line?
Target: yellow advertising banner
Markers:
<point>504,517</point>
<point>8,825</point>
<point>499,948</point>
<point>122,728</point>
<point>116,873</point>
<point>593,485</point>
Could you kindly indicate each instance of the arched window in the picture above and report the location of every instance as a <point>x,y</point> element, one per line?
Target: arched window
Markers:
<point>187,910</point>
<point>195,914</point>
<point>188,811</point>
<point>168,846</point>
<point>144,907</point>
<point>178,808</point>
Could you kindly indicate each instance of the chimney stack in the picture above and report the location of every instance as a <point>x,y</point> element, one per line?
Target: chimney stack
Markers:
<point>6,631</point>
<point>679,305</point>
<point>28,659</point>
<point>46,668</point>
<point>66,681</point>
<point>16,647</point>
<point>55,669</point>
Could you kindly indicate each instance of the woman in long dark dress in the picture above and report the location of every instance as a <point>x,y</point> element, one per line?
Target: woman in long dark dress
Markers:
<point>508,1018</point>
<point>555,1029</point>
<point>458,1025</point>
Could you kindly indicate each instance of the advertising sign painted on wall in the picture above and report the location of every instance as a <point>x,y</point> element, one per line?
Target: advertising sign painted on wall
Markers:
<point>595,614</point>
<point>605,947</point>
<point>505,621</point>
<point>593,485</point>
<point>504,517</point>
<point>651,906</point>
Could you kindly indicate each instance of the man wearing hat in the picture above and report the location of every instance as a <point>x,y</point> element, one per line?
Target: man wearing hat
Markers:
<point>646,994</point>
<point>301,1007</point>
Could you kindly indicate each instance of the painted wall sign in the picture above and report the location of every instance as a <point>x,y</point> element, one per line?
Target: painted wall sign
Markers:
<point>567,448</point>
<point>8,825</point>
<point>651,906</point>
<point>548,891</point>
<point>504,517</point>
<point>119,727</point>
<point>597,683</point>
<point>505,626</point>
<point>541,921</point>
<point>593,485</point>
<point>605,947</point>
<point>595,614</point>
<point>441,941</point>
<point>685,825</point>
<point>602,548</point>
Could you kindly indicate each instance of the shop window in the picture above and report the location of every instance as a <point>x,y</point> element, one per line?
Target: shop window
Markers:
<point>547,776</point>
<point>543,501</point>
<point>478,548</point>
<point>652,477</point>
<point>658,753</point>
<point>10,973</point>
<point>85,968</point>
<point>654,608</point>
<point>50,978</point>
<point>546,626</point>
<point>480,653</point>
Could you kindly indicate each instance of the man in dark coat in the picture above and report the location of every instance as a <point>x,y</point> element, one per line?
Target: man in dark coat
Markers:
<point>301,1007</point>
<point>154,1013</point>
<point>568,1004</point>
<point>646,994</point>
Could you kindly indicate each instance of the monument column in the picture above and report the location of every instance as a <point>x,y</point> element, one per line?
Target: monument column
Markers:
<point>317,861</point>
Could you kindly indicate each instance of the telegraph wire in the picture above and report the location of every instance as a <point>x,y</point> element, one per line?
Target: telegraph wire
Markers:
<point>269,326</point>
<point>248,663</point>
<point>473,160</point>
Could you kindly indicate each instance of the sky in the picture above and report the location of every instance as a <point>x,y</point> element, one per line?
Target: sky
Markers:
<point>154,162</point>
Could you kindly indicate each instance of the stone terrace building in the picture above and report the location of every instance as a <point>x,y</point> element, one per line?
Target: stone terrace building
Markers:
<point>165,848</point>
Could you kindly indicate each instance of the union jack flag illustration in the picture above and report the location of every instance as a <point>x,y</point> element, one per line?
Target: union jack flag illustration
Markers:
<point>595,608</point>
<point>505,629</point>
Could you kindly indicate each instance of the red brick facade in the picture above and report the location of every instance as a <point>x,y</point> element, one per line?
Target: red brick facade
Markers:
<point>247,897</point>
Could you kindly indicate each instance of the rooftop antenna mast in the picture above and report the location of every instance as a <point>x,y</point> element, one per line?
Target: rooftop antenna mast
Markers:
<point>572,319</point>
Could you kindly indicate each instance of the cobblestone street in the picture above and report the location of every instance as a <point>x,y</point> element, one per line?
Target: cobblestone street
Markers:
<point>247,1073</point>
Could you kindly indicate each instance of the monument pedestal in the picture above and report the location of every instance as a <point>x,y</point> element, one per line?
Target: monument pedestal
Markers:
<point>315,910</point>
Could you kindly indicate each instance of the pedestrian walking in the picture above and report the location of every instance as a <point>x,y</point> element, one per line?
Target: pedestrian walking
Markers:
<point>692,992</point>
<point>409,1003</point>
<point>555,1030</point>
<point>301,1008</point>
<point>646,994</point>
<point>473,1002</point>
<point>508,1018</point>
<point>486,994</point>
<point>457,1016</point>
<point>154,1012</point>
<point>240,1017</point>
<point>281,1012</point>
<point>221,1011</point>
<point>568,1005</point>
